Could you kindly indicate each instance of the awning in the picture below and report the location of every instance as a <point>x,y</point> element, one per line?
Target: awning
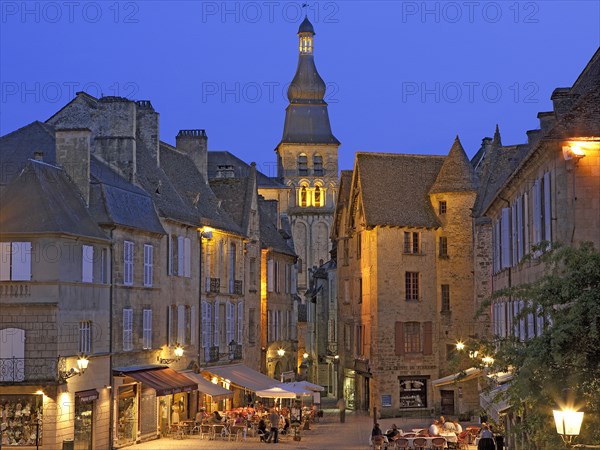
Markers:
<point>310,386</point>
<point>459,377</point>
<point>296,388</point>
<point>87,396</point>
<point>207,387</point>
<point>494,402</point>
<point>276,392</point>
<point>164,381</point>
<point>243,376</point>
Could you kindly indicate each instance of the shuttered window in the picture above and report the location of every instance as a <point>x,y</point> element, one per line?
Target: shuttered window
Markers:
<point>128,263</point>
<point>147,329</point>
<point>148,264</point>
<point>240,322</point>
<point>127,329</point>
<point>15,261</point>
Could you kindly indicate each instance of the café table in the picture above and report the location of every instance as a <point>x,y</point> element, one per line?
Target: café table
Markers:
<point>428,439</point>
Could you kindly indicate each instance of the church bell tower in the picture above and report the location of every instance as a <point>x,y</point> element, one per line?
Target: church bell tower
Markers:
<point>307,158</point>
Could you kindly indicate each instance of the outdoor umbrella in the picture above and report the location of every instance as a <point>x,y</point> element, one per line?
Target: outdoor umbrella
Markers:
<point>276,392</point>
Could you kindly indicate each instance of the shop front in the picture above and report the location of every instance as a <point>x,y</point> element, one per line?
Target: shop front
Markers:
<point>149,400</point>
<point>84,419</point>
<point>21,419</point>
<point>211,395</point>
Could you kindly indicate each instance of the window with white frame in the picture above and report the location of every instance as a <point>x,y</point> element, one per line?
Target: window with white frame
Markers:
<point>229,322</point>
<point>85,337</point>
<point>240,322</point>
<point>127,329</point>
<point>181,325</point>
<point>147,329</point>
<point>276,277</point>
<point>148,264</point>
<point>193,326</point>
<point>15,261</point>
<point>207,331</point>
<point>270,275</point>
<point>232,264</point>
<point>87,263</point>
<point>171,325</point>
<point>128,263</point>
<point>217,324</point>
<point>187,259</point>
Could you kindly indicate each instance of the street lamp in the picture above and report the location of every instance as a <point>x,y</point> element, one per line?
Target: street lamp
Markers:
<point>82,365</point>
<point>281,352</point>
<point>568,424</point>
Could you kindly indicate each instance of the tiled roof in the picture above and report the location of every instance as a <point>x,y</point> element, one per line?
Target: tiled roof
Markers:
<point>20,145</point>
<point>395,188</point>
<point>241,169</point>
<point>115,201</point>
<point>270,236</point>
<point>194,190</point>
<point>456,174</point>
<point>53,204</point>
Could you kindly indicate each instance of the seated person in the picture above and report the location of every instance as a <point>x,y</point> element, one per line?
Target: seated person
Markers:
<point>486,438</point>
<point>457,426</point>
<point>392,433</point>
<point>262,431</point>
<point>449,427</point>
<point>286,425</point>
<point>377,434</point>
<point>216,417</point>
<point>434,428</point>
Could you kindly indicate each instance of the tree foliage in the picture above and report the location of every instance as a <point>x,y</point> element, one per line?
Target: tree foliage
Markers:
<point>566,354</point>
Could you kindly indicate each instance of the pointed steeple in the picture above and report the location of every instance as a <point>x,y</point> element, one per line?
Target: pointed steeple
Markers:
<point>456,174</point>
<point>307,119</point>
<point>497,142</point>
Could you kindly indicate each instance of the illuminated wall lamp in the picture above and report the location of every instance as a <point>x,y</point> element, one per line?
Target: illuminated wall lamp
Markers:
<point>178,354</point>
<point>573,152</point>
<point>568,424</point>
<point>82,365</point>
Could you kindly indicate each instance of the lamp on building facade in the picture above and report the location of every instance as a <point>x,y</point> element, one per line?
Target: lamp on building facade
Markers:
<point>281,352</point>
<point>82,365</point>
<point>568,424</point>
<point>178,354</point>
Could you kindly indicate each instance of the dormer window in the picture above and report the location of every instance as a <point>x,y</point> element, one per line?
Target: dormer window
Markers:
<point>302,164</point>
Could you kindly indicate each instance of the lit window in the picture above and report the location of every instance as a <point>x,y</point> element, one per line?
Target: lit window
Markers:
<point>303,197</point>
<point>442,207</point>
<point>319,200</point>
<point>412,337</point>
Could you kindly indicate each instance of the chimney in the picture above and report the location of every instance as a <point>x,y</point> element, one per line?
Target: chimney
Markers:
<point>225,171</point>
<point>195,144</point>
<point>562,100</point>
<point>547,120</point>
<point>73,155</point>
<point>147,130</point>
<point>533,136</point>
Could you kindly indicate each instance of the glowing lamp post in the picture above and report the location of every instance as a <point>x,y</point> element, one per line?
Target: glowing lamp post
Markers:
<point>568,424</point>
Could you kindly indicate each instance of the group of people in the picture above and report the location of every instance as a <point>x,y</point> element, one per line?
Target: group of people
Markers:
<point>442,425</point>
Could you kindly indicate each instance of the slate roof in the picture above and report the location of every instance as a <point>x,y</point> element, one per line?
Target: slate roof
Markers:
<point>194,190</point>
<point>583,119</point>
<point>115,201</point>
<point>241,169</point>
<point>20,145</point>
<point>456,174</point>
<point>236,198</point>
<point>395,188</point>
<point>53,204</point>
<point>306,26</point>
<point>270,236</point>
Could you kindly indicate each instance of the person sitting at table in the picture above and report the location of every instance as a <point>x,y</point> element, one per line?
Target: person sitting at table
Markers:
<point>486,438</point>
<point>216,417</point>
<point>286,425</point>
<point>392,433</point>
<point>434,428</point>
<point>262,430</point>
<point>449,427</point>
<point>457,426</point>
<point>377,432</point>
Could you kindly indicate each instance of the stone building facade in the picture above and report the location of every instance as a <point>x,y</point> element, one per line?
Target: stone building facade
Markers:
<point>405,282</point>
<point>540,193</point>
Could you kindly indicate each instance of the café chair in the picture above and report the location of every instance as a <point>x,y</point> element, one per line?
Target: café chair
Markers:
<point>420,443</point>
<point>438,443</point>
<point>377,442</point>
<point>402,444</point>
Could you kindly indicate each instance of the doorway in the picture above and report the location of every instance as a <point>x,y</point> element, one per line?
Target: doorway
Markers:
<point>447,402</point>
<point>84,420</point>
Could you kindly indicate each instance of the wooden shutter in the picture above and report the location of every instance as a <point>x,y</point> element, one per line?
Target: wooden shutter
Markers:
<point>5,250</point>
<point>216,338</point>
<point>21,261</point>
<point>187,258</point>
<point>505,238</point>
<point>270,275</point>
<point>547,208</point>
<point>180,256</point>
<point>87,263</point>
<point>427,338</point>
<point>400,338</point>
<point>240,323</point>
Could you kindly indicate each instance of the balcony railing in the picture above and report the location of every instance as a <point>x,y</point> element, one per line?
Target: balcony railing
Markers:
<point>237,353</point>
<point>15,290</point>
<point>213,285</point>
<point>213,354</point>
<point>238,287</point>
<point>19,370</point>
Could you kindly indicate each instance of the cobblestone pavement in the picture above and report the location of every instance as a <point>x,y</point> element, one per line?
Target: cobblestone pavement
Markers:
<point>328,434</point>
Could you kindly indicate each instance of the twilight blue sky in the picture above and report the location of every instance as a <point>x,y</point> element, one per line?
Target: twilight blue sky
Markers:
<point>402,76</point>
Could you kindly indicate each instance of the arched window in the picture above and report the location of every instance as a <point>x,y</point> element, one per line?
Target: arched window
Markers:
<point>319,196</point>
<point>318,165</point>
<point>303,202</point>
<point>302,164</point>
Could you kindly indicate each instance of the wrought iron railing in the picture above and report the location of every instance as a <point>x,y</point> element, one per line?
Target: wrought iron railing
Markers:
<point>213,354</point>
<point>18,370</point>
<point>215,285</point>
<point>238,287</point>
<point>237,353</point>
